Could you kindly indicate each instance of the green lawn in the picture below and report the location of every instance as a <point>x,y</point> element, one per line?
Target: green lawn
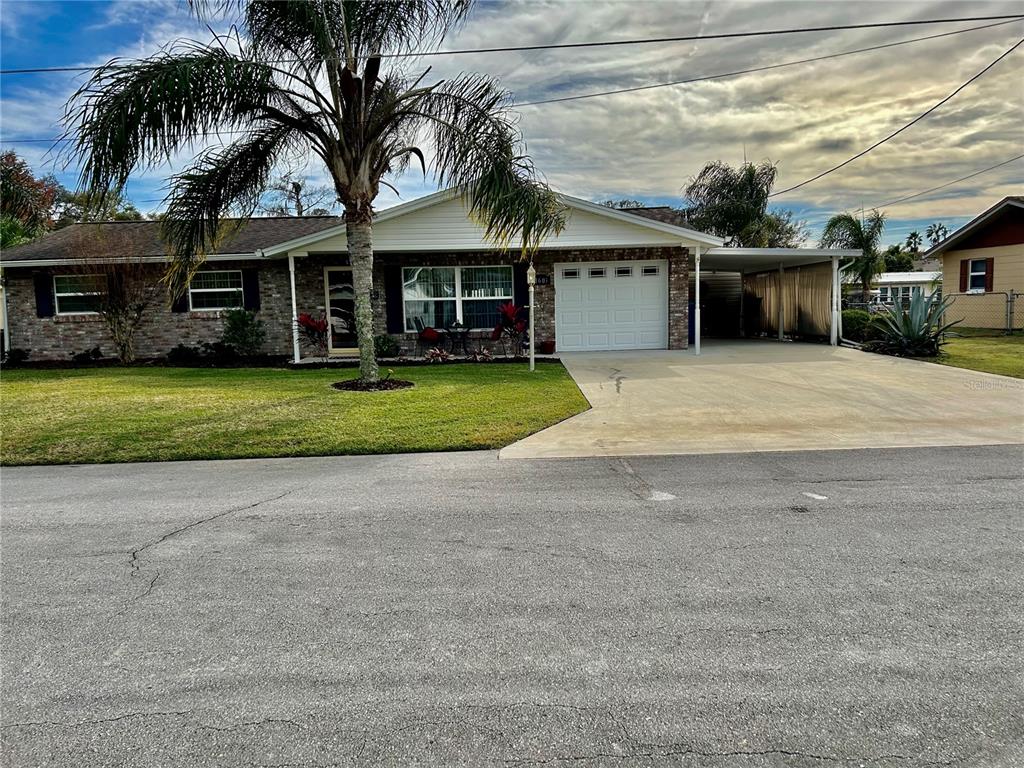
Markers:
<point>993,354</point>
<point>156,414</point>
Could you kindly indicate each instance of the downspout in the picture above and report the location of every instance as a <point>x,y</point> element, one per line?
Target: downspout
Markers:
<point>834,330</point>
<point>295,309</point>
<point>696,301</point>
<point>6,326</point>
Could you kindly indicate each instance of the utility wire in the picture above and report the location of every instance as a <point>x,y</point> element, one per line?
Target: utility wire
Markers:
<point>897,132</point>
<point>602,43</point>
<point>762,68</point>
<point>703,78</point>
<point>949,183</point>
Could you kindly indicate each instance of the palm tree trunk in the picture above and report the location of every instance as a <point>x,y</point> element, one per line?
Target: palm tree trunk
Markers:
<point>865,286</point>
<point>359,233</point>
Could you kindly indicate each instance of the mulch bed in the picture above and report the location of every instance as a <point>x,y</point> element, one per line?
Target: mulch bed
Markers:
<point>384,385</point>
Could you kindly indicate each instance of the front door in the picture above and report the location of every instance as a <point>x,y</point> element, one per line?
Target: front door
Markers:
<point>341,311</point>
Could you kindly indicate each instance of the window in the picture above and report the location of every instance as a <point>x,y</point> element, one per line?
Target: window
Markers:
<point>78,294</point>
<point>437,297</point>
<point>570,274</point>
<point>623,271</point>
<point>976,275</point>
<point>210,291</point>
<point>650,271</point>
<point>596,272</point>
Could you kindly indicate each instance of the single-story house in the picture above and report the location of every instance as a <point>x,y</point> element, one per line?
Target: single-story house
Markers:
<point>900,286</point>
<point>611,280</point>
<point>983,267</point>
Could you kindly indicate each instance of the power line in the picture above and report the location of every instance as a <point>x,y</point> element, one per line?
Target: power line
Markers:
<point>658,85</point>
<point>603,43</point>
<point>949,183</point>
<point>897,132</point>
<point>761,68</point>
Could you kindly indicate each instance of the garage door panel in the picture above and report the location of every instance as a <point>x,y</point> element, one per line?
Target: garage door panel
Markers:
<point>611,305</point>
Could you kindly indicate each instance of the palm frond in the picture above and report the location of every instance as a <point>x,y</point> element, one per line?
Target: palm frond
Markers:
<point>137,114</point>
<point>223,180</point>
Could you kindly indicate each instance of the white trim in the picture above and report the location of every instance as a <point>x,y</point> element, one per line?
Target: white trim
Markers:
<point>69,294</point>
<point>296,352</point>
<point>240,289</point>
<point>458,298</point>
<point>696,302</point>
<point>126,260</point>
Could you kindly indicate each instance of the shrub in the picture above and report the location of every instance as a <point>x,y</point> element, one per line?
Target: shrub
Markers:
<point>88,356</point>
<point>916,331</point>
<point>385,346</point>
<point>16,356</point>
<point>437,355</point>
<point>857,325</point>
<point>185,356</point>
<point>243,331</point>
<point>205,355</point>
<point>313,333</point>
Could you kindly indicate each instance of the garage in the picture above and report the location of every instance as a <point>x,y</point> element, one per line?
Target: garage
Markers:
<point>611,305</point>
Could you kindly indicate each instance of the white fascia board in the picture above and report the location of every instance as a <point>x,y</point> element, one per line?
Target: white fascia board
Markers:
<point>641,221</point>
<point>843,253</point>
<point>142,259</point>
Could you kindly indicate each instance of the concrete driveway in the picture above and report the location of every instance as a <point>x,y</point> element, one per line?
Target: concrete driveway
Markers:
<point>740,396</point>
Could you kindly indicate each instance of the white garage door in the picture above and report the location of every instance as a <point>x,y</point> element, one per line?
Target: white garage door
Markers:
<point>611,305</point>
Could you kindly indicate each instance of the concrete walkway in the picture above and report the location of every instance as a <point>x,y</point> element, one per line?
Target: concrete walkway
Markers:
<point>742,396</point>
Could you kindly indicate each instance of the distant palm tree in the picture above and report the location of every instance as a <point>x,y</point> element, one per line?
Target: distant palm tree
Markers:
<point>847,231</point>
<point>914,241</point>
<point>936,233</point>
<point>304,77</point>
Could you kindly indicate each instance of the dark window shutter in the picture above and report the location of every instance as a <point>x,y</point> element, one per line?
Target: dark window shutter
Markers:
<point>251,289</point>
<point>393,299</point>
<point>520,290</point>
<point>964,266</point>
<point>44,294</point>
<point>180,304</point>
<point>989,270</point>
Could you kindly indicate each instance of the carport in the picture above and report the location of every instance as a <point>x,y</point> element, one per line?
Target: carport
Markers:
<point>795,290</point>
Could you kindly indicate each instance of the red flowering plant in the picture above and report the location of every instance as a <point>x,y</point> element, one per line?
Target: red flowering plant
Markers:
<point>512,328</point>
<point>313,333</point>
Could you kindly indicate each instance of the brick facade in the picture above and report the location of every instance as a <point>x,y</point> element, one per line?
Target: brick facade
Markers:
<point>58,337</point>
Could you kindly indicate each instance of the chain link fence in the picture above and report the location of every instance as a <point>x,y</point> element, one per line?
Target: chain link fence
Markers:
<point>991,313</point>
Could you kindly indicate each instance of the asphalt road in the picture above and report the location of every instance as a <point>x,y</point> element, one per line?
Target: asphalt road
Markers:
<point>788,609</point>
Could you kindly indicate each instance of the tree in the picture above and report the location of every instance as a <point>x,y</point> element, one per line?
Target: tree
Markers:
<point>936,233</point>
<point>847,231</point>
<point>79,207</point>
<point>308,76</point>
<point>898,260</point>
<point>914,242</point>
<point>129,287</point>
<point>26,203</point>
<point>733,203</point>
<point>622,205</point>
<point>291,195</point>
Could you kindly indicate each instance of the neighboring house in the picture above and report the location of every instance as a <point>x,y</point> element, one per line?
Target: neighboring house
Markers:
<point>611,280</point>
<point>983,267</point>
<point>900,286</point>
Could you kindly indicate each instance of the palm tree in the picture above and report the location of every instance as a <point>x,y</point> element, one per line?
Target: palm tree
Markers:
<point>847,231</point>
<point>306,77</point>
<point>914,241</point>
<point>936,233</point>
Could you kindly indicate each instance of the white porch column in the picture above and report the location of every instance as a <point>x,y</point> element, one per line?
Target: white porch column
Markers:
<point>696,301</point>
<point>782,303</point>
<point>834,331</point>
<point>295,309</point>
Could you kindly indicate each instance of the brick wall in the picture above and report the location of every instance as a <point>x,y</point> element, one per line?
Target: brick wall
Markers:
<point>56,338</point>
<point>60,336</point>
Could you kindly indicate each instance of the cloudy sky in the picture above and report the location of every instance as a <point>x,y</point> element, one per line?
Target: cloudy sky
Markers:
<point>646,144</point>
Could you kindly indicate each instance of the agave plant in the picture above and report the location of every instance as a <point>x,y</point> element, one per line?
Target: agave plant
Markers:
<point>917,331</point>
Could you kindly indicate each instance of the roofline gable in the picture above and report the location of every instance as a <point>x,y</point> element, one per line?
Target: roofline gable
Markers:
<point>445,195</point>
<point>972,226</point>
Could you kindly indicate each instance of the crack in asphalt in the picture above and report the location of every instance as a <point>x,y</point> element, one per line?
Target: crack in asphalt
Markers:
<point>134,557</point>
<point>97,721</point>
<point>253,724</point>
<point>657,751</point>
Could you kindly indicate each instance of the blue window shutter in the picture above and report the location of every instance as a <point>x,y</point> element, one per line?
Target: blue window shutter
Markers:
<point>393,299</point>
<point>251,289</point>
<point>43,282</point>
<point>520,290</point>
